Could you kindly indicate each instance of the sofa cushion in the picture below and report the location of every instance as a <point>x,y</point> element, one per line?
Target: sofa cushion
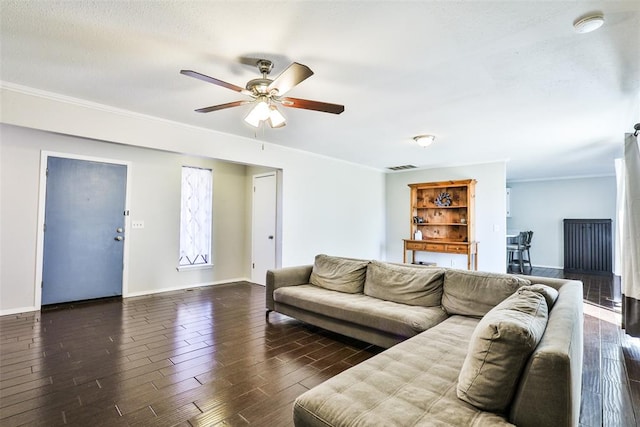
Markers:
<point>398,319</point>
<point>550,294</point>
<point>339,274</point>
<point>474,293</point>
<point>499,349</point>
<point>404,283</point>
<point>411,384</point>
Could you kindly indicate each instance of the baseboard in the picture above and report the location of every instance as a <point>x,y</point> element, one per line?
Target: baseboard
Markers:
<point>18,310</point>
<point>10,311</point>
<point>183,287</point>
<point>555,267</point>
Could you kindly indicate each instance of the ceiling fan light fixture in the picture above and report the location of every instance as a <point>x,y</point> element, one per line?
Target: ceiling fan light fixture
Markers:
<point>424,140</point>
<point>259,113</point>
<point>276,119</point>
<point>266,92</point>
<point>588,23</point>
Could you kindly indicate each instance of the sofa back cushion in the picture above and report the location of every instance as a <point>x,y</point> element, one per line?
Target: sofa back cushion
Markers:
<point>404,284</point>
<point>339,274</point>
<point>474,293</point>
<point>499,349</point>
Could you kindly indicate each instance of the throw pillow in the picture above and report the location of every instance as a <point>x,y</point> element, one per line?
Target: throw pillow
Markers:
<point>339,274</point>
<point>474,293</point>
<point>404,284</point>
<point>499,348</point>
<point>550,294</point>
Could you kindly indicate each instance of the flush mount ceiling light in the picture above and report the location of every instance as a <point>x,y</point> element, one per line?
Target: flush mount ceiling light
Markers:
<point>424,140</point>
<point>588,23</point>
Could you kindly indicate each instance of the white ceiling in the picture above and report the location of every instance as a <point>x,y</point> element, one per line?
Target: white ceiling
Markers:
<point>503,80</point>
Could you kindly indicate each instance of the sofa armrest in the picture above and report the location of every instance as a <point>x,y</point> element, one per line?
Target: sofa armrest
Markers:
<point>550,390</point>
<point>549,281</point>
<point>288,276</point>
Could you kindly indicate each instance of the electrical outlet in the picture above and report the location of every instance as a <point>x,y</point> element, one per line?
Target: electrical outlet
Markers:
<point>137,224</point>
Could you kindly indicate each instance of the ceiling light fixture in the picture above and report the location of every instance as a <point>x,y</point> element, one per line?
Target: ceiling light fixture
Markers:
<point>259,113</point>
<point>276,119</point>
<point>588,23</point>
<point>424,140</point>
<point>265,110</point>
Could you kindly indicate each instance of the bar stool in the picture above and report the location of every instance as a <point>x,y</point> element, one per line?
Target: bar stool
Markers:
<point>516,251</point>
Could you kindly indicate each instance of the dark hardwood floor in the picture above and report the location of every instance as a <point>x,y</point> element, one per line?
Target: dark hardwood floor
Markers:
<point>207,357</point>
<point>600,290</point>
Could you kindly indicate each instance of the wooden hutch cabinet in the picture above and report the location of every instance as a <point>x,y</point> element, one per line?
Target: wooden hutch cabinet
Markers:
<point>443,219</point>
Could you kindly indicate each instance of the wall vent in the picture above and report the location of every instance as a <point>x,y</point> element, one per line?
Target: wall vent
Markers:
<point>401,168</point>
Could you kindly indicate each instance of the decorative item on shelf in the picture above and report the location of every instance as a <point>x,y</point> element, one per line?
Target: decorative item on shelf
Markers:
<point>443,199</point>
<point>418,220</point>
<point>417,235</point>
<point>463,220</point>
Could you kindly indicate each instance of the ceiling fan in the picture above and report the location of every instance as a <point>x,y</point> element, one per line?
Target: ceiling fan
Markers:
<point>267,93</point>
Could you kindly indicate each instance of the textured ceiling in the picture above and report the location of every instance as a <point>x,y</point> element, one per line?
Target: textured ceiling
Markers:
<point>492,80</point>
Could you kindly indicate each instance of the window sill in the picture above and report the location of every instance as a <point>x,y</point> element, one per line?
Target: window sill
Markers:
<point>194,267</point>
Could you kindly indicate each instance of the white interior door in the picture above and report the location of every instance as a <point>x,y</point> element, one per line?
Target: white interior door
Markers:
<point>263,256</point>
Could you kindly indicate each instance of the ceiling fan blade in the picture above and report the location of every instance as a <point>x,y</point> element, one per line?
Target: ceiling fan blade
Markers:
<point>221,106</point>
<point>312,105</point>
<point>208,79</point>
<point>293,75</point>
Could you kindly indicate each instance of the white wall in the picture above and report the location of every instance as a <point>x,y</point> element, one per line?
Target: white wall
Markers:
<point>328,206</point>
<point>540,206</point>
<point>490,213</point>
<point>154,197</point>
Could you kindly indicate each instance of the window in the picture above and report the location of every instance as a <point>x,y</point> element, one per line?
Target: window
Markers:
<point>196,217</point>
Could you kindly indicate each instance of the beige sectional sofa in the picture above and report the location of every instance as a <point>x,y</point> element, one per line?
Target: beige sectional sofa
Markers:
<point>463,348</point>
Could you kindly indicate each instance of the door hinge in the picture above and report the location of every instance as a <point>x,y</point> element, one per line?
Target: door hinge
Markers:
<point>46,172</point>
<point>126,213</point>
<point>44,228</point>
<point>253,265</point>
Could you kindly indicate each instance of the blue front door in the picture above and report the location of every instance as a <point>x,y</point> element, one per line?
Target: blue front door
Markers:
<point>84,230</point>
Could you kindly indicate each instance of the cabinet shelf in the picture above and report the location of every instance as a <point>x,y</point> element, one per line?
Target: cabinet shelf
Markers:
<point>438,241</point>
<point>422,224</point>
<point>442,207</point>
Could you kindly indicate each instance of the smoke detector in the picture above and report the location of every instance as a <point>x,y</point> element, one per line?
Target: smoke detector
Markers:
<point>588,23</point>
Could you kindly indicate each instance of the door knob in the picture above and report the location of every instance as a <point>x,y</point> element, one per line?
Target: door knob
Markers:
<point>270,237</point>
<point>118,238</point>
<point>119,230</point>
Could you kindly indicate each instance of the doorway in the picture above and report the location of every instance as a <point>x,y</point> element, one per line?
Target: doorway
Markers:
<point>83,229</point>
<point>263,226</point>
